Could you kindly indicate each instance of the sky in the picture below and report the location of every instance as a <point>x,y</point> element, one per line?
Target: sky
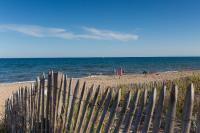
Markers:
<point>99,28</point>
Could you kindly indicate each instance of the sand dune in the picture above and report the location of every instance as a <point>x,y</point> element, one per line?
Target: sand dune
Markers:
<point>6,89</point>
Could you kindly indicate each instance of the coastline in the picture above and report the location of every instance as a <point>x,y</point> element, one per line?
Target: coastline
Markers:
<point>96,76</point>
<point>132,75</point>
<point>6,89</point>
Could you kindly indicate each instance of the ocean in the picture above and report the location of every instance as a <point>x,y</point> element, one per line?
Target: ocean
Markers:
<point>26,69</point>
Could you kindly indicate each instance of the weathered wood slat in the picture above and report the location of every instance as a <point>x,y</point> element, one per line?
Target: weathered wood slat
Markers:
<point>55,91</point>
<point>38,101</point>
<point>72,107</point>
<point>57,103</point>
<point>171,113</point>
<point>37,89</point>
<point>92,110</point>
<point>81,101</point>
<point>113,111</point>
<point>48,109</point>
<point>22,111</point>
<point>25,111</point>
<point>98,108</point>
<point>198,115</point>
<point>59,94</point>
<point>123,112</point>
<point>42,82</point>
<point>105,109</point>
<point>68,105</point>
<point>64,93</point>
<point>149,112</point>
<point>140,111</point>
<point>14,105</point>
<point>85,107</point>
<point>64,90</point>
<point>187,110</point>
<point>29,110</point>
<point>51,102</point>
<point>35,107</point>
<point>13,114</point>
<point>9,123</point>
<point>159,109</point>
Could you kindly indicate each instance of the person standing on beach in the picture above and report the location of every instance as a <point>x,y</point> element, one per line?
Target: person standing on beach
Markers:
<point>119,72</point>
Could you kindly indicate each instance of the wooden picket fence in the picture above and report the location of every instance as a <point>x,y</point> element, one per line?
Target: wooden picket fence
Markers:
<point>53,105</point>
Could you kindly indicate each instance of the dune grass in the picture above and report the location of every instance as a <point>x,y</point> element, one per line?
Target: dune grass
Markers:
<point>2,126</point>
<point>182,83</point>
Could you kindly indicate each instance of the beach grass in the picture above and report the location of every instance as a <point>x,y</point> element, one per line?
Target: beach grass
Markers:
<point>2,126</point>
<point>182,83</point>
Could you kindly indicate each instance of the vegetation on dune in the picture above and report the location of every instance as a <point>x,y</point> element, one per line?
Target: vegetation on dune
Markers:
<point>2,126</point>
<point>182,84</point>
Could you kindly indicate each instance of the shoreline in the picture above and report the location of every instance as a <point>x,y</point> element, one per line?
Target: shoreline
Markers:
<point>110,76</point>
<point>99,75</point>
<point>6,89</point>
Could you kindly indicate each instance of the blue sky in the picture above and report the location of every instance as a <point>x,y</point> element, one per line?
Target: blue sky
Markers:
<point>101,28</point>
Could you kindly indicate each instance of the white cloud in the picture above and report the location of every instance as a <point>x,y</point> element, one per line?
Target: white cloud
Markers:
<point>38,31</point>
<point>88,33</point>
<point>110,35</point>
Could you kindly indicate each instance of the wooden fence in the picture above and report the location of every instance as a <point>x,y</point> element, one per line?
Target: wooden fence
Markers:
<point>53,105</point>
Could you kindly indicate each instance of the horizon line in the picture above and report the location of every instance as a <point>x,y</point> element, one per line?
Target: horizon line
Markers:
<point>99,57</point>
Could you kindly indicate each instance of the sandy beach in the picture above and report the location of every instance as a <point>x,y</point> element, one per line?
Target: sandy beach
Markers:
<point>6,89</point>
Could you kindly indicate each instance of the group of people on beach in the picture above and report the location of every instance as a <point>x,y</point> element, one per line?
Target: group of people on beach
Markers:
<point>119,72</point>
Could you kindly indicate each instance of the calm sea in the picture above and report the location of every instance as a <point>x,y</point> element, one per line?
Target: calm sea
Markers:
<point>16,70</point>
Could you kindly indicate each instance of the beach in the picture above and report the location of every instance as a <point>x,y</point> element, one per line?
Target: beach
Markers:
<point>6,89</point>
<point>95,66</point>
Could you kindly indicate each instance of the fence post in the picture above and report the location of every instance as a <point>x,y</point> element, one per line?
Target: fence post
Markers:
<point>171,113</point>
<point>25,110</point>
<point>21,111</point>
<point>80,106</point>
<point>140,111</point>
<point>149,112</point>
<point>187,110</point>
<point>92,111</point>
<point>198,115</point>
<point>123,112</point>
<point>113,111</point>
<point>72,107</point>
<point>48,109</point>
<point>38,99</point>
<point>59,83</point>
<point>131,113</point>
<point>54,102</point>
<point>63,106</point>
<point>93,121</point>
<point>85,107</point>
<point>158,112</point>
<point>42,95</point>
<point>68,105</point>
<point>105,109</point>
